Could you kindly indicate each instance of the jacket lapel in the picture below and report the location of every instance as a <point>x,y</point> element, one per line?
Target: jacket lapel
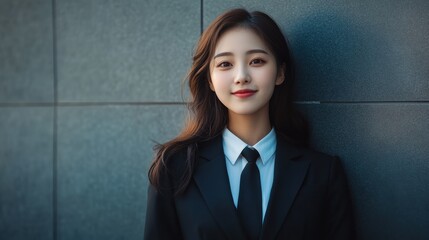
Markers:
<point>211,177</point>
<point>289,174</point>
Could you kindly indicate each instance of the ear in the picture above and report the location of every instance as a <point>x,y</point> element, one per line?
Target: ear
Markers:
<point>281,74</point>
<point>209,78</point>
<point>211,84</point>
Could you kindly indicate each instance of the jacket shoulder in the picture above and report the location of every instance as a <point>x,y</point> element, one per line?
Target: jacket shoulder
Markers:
<point>324,168</point>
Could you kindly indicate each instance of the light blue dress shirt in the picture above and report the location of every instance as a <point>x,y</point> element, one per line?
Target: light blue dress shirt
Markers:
<point>235,163</point>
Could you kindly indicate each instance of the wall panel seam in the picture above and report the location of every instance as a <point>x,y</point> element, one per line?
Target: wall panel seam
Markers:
<point>83,104</point>
<point>201,16</point>
<point>55,126</point>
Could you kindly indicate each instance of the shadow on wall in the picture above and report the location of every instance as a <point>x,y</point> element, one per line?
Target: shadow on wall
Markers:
<point>337,60</point>
<point>383,146</point>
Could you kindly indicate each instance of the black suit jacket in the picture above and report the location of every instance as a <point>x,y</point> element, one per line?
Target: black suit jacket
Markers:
<point>309,199</point>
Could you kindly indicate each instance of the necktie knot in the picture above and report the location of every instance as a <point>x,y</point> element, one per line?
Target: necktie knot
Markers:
<point>250,154</point>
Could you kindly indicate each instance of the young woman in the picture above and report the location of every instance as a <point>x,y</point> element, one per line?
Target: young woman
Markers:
<point>240,168</point>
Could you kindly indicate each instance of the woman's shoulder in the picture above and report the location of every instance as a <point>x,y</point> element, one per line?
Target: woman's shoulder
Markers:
<point>319,161</point>
<point>322,157</point>
<point>324,166</point>
<point>175,160</point>
<point>303,150</point>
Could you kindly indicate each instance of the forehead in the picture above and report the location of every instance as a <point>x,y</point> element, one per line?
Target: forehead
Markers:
<point>238,40</point>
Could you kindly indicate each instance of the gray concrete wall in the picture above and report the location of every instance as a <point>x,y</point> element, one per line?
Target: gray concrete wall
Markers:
<point>88,87</point>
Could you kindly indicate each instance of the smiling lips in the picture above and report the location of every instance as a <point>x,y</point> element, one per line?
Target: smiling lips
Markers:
<point>244,93</point>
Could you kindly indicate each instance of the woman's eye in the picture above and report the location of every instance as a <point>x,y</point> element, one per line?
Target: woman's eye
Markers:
<point>257,61</point>
<point>224,65</point>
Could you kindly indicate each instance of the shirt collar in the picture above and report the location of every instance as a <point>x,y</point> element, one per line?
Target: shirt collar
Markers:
<point>233,146</point>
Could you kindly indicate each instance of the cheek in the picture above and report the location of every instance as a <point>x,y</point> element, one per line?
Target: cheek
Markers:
<point>273,73</point>
<point>266,76</point>
<point>219,80</point>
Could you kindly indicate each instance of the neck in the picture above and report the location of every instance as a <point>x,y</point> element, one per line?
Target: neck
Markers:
<point>249,128</point>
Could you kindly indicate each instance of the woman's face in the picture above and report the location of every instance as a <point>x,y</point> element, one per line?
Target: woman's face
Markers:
<point>244,72</point>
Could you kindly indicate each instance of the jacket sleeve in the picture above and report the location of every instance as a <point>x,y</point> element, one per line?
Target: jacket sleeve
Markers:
<point>339,215</point>
<point>161,218</point>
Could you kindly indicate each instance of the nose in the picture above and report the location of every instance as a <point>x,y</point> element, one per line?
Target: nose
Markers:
<point>242,75</point>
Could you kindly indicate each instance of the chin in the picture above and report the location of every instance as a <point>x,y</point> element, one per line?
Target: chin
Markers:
<point>246,111</point>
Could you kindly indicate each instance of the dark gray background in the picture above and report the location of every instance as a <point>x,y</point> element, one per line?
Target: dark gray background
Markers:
<point>88,87</point>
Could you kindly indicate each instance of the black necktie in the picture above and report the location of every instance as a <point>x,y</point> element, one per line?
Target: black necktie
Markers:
<point>250,196</point>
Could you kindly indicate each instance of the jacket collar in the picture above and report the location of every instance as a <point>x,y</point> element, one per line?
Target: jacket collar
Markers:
<point>211,178</point>
<point>289,173</point>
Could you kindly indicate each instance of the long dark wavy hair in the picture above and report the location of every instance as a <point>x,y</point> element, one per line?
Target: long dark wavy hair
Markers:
<point>208,117</point>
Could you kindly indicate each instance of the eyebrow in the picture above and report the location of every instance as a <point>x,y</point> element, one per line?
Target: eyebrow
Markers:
<point>247,53</point>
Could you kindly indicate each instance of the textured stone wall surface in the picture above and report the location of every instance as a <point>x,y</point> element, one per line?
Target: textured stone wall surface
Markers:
<point>87,88</point>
